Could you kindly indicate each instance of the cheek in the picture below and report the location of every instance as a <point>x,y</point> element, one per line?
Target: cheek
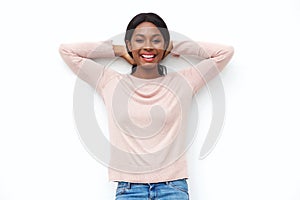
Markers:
<point>135,54</point>
<point>160,53</point>
<point>159,47</point>
<point>136,47</point>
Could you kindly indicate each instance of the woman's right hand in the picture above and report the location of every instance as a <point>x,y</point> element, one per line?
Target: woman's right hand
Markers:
<point>128,58</point>
<point>121,51</point>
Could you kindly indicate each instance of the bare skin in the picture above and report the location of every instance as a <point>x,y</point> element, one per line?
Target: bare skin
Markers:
<point>148,49</point>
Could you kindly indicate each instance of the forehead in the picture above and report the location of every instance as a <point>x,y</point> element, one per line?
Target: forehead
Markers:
<point>146,28</point>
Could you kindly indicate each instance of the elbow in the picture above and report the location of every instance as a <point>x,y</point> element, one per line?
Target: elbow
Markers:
<point>230,51</point>
<point>62,49</point>
<point>225,58</point>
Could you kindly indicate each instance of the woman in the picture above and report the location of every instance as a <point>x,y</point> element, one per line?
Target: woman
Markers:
<point>147,109</point>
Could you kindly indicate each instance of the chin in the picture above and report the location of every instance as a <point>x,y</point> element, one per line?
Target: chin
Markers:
<point>149,65</point>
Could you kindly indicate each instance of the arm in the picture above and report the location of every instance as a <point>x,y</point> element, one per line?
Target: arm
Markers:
<point>214,57</point>
<point>79,57</point>
<point>120,50</point>
<point>219,53</point>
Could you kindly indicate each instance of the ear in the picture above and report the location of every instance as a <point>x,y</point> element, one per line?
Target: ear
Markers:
<point>128,44</point>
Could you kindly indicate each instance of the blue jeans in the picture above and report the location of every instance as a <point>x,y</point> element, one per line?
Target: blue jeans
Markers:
<point>170,190</point>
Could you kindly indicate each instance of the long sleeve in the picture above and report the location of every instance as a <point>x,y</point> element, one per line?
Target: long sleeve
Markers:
<point>214,57</point>
<point>79,57</point>
<point>219,53</point>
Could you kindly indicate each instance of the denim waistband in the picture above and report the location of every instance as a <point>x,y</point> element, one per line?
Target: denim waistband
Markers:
<point>128,185</point>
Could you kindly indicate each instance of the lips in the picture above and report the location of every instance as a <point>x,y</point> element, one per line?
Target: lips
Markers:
<point>148,57</point>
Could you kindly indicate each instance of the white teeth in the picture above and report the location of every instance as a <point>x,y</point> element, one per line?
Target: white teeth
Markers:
<point>147,56</point>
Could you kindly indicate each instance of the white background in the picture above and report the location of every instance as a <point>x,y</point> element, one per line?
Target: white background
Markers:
<point>257,157</point>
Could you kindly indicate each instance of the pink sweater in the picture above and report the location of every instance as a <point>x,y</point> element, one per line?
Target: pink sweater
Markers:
<point>147,117</point>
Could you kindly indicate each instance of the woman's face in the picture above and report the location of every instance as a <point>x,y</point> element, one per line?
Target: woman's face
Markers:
<point>147,45</point>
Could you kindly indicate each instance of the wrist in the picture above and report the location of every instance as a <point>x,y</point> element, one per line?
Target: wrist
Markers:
<point>119,50</point>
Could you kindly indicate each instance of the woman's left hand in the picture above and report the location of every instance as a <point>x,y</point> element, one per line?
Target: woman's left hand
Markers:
<point>169,50</point>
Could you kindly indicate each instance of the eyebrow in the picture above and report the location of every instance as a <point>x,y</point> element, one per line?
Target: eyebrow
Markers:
<point>142,35</point>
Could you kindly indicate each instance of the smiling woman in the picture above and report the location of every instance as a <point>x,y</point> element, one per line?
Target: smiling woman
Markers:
<point>147,109</point>
<point>147,39</point>
<point>147,46</point>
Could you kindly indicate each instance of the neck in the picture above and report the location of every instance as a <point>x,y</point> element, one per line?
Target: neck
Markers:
<point>146,73</point>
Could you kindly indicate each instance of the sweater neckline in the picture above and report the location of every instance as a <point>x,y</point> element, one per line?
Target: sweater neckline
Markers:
<point>145,79</point>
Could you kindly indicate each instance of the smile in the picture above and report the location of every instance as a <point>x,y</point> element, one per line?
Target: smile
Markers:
<point>147,55</point>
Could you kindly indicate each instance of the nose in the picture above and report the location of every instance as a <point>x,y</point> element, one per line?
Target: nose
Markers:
<point>148,45</point>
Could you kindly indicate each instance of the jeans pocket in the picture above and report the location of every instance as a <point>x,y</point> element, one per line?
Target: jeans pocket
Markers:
<point>180,185</point>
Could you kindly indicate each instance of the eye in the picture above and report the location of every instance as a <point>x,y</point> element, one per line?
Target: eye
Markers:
<point>139,40</point>
<point>156,41</point>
